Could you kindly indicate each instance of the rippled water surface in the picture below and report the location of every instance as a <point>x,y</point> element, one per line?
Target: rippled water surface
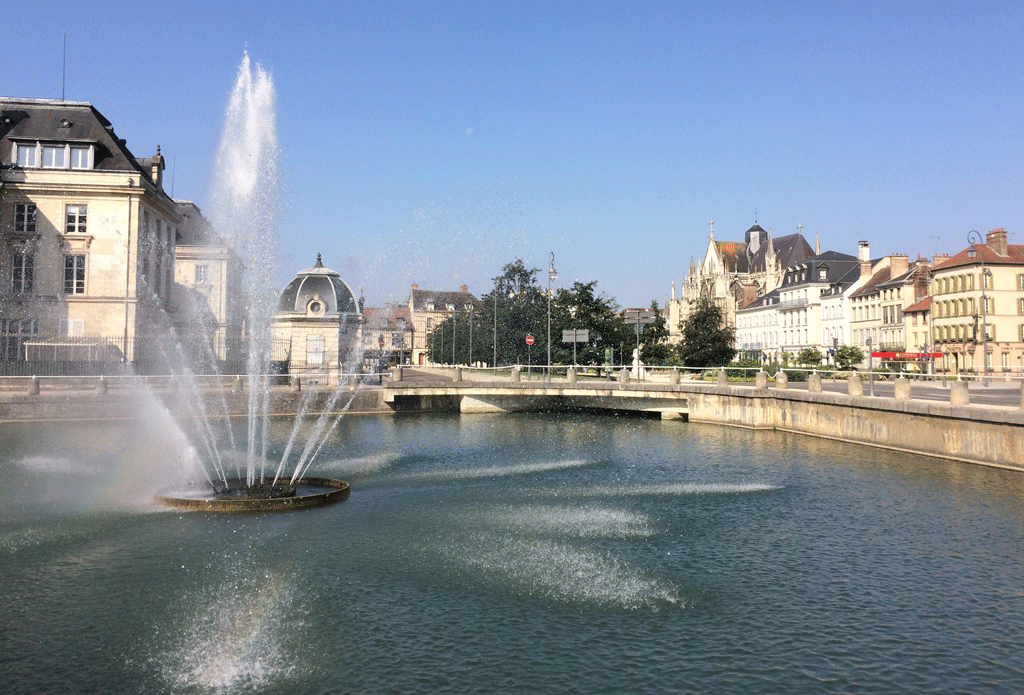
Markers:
<point>517,554</point>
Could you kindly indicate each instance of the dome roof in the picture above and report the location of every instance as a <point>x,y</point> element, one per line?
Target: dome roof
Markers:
<point>318,283</point>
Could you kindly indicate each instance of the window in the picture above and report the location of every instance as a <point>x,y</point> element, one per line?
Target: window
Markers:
<point>53,156</point>
<point>1020,282</point>
<point>202,274</point>
<point>26,155</point>
<point>314,350</point>
<point>13,333</point>
<point>74,274</point>
<point>21,272</point>
<point>75,219</point>
<point>72,328</point>
<point>24,217</point>
<point>80,157</point>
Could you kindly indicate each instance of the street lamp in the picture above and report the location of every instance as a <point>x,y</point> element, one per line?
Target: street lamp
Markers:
<point>496,324</point>
<point>552,275</point>
<point>972,253</point>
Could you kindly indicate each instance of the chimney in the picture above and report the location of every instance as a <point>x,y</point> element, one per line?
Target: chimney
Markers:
<point>864,256</point>
<point>156,169</point>
<point>996,240</point>
<point>464,289</point>
<point>415,286</point>
<point>898,264</point>
<point>939,258</point>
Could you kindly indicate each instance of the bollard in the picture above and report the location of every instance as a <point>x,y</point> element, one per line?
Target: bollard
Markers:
<point>101,387</point>
<point>901,389</point>
<point>674,377</point>
<point>781,381</point>
<point>516,374</point>
<point>959,393</point>
<point>624,375</point>
<point>397,375</point>
<point>723,378</point>
<point>854,386</point>
<point>570,375</point>
<point>296,383</point>
<point>814,383</point>
<point>761,381</point>
<point>458,374</point>
<point>239,384</point>
<point>33,386</point>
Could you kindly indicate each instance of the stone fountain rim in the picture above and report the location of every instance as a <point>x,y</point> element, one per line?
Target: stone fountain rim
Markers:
<point>337,490</point>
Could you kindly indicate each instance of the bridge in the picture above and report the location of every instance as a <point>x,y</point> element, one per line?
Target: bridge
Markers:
<point>951,428</point>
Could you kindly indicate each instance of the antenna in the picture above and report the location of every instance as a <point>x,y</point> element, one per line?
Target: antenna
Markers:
<point>64,66</point>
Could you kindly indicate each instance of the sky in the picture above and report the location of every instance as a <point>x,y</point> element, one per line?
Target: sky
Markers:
<point>434,142</point>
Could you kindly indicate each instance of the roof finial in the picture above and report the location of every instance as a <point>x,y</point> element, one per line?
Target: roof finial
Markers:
<point>319,263</point>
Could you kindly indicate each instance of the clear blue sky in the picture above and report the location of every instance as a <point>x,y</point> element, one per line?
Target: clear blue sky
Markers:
<point>433,142</point>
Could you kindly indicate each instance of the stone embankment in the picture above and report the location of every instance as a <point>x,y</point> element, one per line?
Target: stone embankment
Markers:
<point>946,426</point>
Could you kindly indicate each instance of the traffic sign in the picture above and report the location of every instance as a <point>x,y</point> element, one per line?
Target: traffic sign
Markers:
<point>529,340</point>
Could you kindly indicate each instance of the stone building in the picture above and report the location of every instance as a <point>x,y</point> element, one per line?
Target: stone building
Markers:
<point>429,308</point>
<point>979,293</point>
<point>87,235</point>
<point>734,274</point>
<point>317,328</point>
<point>207,300</point>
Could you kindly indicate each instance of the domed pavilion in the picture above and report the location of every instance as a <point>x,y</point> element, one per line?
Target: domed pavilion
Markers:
<point>317,326</point>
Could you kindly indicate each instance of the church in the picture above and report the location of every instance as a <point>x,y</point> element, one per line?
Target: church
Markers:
<point>732,274</point>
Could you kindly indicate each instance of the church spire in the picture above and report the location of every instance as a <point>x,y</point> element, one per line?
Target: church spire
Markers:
<point>817,244</point>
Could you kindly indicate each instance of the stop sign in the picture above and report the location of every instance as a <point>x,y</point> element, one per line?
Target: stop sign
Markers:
<point>529,340</point>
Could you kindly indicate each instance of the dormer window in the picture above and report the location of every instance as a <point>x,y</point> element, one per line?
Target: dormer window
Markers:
<point>26,155</point>
<point>430,306</point>
<point>315,307</point>
<point>54,156</point>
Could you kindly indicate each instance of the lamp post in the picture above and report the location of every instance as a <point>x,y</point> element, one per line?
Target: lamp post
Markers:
<point>972,253</point>
<point>496,324</point>
<point>552,275</point>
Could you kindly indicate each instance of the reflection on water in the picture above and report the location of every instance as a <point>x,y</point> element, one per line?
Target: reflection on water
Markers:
<point>515,554</point>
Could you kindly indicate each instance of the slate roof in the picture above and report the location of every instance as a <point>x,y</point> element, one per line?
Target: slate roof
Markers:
<point>789,250</point>
<point>441,299</point>
<point>835,264</point>
<point>334,292</point>
<point>387,316</point>
<point>50,120</point>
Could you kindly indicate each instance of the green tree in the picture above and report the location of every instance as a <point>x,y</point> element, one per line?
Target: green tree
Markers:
<point>810,357</point>
<point>847,356</point>
<point>581,307</point>
<point>514,308</point>
<point>707,342</point>
<point>654,347</point>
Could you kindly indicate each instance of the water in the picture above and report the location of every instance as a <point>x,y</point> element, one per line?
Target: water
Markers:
<point>516,554</point>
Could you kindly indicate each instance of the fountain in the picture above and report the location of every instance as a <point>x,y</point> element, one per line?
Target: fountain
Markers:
<point>244,206</point>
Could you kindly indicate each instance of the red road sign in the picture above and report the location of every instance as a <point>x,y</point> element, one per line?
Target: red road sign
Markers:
<point>529,340</point>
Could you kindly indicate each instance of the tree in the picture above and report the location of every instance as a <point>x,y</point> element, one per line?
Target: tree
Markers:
<point>810,357</point>
<point>706,341</point>
<point>847,356</point>
<point>654,347</point>
<point>581,308</point>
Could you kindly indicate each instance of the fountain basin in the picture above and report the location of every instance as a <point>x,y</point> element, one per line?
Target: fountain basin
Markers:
<point>310,492</point>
